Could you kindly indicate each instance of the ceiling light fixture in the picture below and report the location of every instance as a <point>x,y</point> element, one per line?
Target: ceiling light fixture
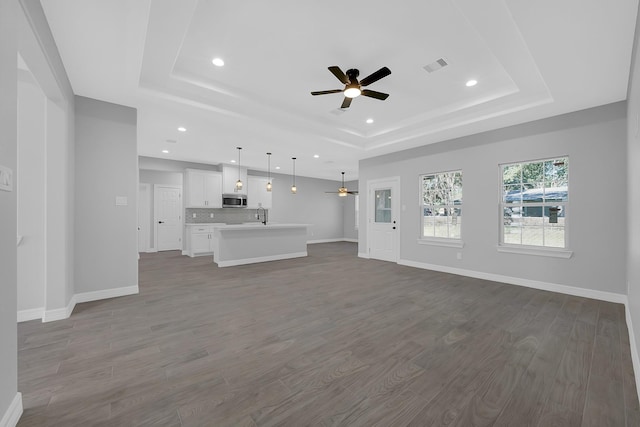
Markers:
<point>165,151</point>
<point>218,62</point>
<point>369,121</point>
<point>269,172</point>
<point>342,191</point>
<point>352,91</point>
<point>316,156</point>
<point>277,167</point>
<point>471,83</point>
<point>294,189</point>
<point>182,129</point>
<point>239,182</point>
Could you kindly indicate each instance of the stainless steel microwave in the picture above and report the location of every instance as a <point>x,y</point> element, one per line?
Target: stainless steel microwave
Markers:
<point>234,200</point>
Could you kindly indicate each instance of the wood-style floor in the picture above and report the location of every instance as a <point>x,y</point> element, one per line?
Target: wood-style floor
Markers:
<point>328,340</point>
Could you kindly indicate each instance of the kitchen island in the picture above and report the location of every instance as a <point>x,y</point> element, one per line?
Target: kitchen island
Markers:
<point>255,242</point>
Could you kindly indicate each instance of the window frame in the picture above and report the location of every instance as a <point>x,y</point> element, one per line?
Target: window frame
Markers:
<point>550,251</point>
<point>433,240</point>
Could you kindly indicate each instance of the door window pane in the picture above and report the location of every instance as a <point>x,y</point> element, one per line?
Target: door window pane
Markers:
<point>382,202</point>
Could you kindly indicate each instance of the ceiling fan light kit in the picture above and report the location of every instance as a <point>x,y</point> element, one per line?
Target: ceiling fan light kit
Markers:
<point>353,87</point>
<point>342,191</point>
<point>294,189</point>
<point>269,186</point>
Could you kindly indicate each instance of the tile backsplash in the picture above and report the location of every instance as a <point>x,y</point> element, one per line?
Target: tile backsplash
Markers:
<point>229,215</point>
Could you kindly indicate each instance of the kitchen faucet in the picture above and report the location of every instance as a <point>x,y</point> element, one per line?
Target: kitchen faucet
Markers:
<point>264,215</point>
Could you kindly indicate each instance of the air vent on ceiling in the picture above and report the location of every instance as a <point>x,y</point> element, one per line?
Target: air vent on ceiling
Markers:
<point>436,65</point>
<point>339,111</point>
<point>171,141</point>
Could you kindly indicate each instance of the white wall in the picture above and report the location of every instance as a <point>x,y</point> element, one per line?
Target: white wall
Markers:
<point>31,188</point>
<point>8,208</point>
<point>106,167</point>
<point>594,140</point>
<point>633,207</point>
<point>349,230</point>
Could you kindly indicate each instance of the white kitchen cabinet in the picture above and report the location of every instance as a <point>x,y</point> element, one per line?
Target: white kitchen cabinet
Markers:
<point>257,194</point>
<point>230,177</point>
<point>203,188</point>
<point>199,240</point>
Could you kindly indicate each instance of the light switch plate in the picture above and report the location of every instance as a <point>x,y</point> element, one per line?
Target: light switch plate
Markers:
<point>6,178</point>
<point>121,201</point>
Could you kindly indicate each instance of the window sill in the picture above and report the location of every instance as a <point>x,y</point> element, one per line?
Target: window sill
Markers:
<point>548,252</point>
<point>450,243</point>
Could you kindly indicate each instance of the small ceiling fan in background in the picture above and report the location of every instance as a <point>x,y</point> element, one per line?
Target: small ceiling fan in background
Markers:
<point>342,191</point>
<point>353,88</point>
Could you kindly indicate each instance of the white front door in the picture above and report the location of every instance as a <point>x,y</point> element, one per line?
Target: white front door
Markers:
<point>383,200</point>
<point>168,217</point>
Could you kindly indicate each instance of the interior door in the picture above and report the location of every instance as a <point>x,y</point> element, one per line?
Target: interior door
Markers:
<point>168,217</point>
<point>383,216</point>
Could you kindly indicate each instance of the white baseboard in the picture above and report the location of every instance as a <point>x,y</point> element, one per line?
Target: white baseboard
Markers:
<point>635,358</point>
<point>13,413</point>
<point>341,239</point>
<point>312,242</point>
<point>363,255</point>
<point>30,314</point>
<point>535,284</point>
<point>59,313</point>
<point>64,313</point>
<point>106,293</point>
<point>261,259</point>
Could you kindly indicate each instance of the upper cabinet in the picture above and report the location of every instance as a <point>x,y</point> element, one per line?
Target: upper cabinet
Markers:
<point>230,177</point>
<point>257,195</point>
<point>203,188</point>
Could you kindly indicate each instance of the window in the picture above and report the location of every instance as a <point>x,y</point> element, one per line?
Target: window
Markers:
<point>441,205</point>
<point>534,203</point>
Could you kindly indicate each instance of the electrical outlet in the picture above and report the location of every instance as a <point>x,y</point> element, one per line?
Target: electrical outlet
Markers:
<point>211,215</point>
<point>459,255</point>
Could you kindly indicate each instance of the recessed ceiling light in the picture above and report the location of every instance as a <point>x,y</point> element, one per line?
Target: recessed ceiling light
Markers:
<point>182,129</point>
<point>278,167</point>
<point>218,62</point>
<point>471,83</point>
<point>165,151</point>
<point>369,121</point>
<point>233,161</point>
<point>316,156</point>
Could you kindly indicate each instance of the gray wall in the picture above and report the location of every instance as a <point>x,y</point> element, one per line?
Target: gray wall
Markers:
<point>594,140</point>
<point>311,205</point>
<point>349,230</point>
<point>8,204</point>
<point>106,167</point>
<point>633,198</point>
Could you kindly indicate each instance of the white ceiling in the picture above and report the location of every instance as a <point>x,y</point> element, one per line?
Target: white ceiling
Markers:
<point>532,59</point>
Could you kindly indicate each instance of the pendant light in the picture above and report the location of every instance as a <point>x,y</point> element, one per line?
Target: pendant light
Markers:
<point>269,172</point>
<point>342,191</point>
<point>239,181</point>
<point>294,189</point>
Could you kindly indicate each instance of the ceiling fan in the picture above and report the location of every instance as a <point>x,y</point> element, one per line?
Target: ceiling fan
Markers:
<point>342,191</point>
<point>353,88</point>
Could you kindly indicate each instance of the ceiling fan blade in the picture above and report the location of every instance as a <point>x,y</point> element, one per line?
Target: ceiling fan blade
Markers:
<point>373,94</point>
<point>346,102</point>
<point>339,74</point>
<point>382,72</point>
<point>325,92</point>
<point>352,192</point>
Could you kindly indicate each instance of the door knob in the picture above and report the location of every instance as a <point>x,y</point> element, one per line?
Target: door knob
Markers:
<point>160,222</point>
<point>394,228</point>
